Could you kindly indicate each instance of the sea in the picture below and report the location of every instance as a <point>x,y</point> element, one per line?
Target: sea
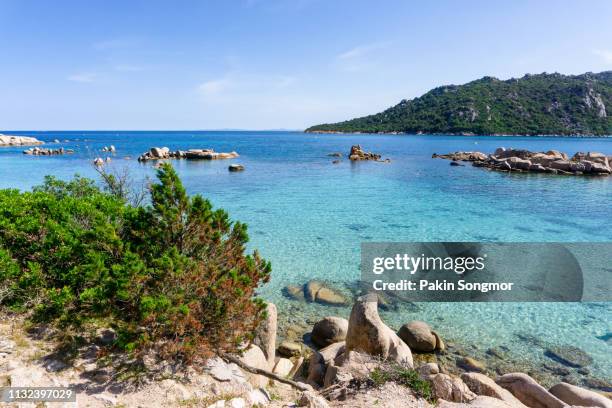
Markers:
<point>308,216</point>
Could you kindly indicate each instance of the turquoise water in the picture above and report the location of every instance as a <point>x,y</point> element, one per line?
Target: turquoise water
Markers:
<point>309,216</point>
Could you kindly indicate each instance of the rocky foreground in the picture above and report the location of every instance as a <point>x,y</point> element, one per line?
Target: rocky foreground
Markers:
<point>163,153</point>
<point>519,160</point>
<point>7,140</point>
<point>359,362</point>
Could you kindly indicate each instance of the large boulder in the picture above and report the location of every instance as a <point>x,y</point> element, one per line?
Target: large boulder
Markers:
<point>265,335</point>
<point>8,140</point>
<point>254,357</point>
<point>518,163</point>
<point>480,384</point>
<point>283,367</point>
<point>369,334</point>
<point>597,158</point>
<point>319,361</point>
<point>329,330</point>
<point>573,395</point>
<point>418,336</point>
<point>160,152</point>
<point>348,366</point>
<point>557,154</point>
<point>450,388</point>
<point>528,391</point>
<point>564,165</point>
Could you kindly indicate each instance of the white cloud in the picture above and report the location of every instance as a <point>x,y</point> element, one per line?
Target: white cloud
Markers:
<point>605,54</point>
<point>361,50</point>
<point>82,77</point>
<point>214,86</point>
<point>360,58</point>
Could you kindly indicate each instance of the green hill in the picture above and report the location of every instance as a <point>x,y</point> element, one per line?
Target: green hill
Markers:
<point>543,104</point>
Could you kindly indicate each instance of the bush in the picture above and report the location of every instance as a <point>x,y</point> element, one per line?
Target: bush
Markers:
<point>403,376</point>
<point>171,277</point>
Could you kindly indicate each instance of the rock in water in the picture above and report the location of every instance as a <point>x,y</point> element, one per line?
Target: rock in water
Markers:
<point>470,364</point>
<point>369,334</point>
<point>329,330</point>
<point>573,395</point>
<point>357,153</point>
<point>294,292</point>
<point>569,355</point>
<point>418,336</point>
<point>7,140</point>
<point>316,291</point>
<point>236,167</point>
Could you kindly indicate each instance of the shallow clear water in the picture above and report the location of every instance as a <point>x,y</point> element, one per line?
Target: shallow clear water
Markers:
<point>308,216</point>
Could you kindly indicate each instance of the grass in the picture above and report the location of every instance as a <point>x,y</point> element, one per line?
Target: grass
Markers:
<point>402,376</point>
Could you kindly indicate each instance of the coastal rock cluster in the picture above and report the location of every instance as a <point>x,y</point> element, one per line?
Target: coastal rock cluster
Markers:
<point>40,151</point>
<point>161,153</point>
<point>8,140</point>
<point>357,154</point>
<point>520,160</point>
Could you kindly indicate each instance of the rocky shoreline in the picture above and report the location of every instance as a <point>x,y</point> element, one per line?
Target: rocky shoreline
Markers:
<point>354,362</point>
<point>520,160</point>
<point>8,140</point>
<point>40,151</point>
<point>164,153</point>
<point>338,132</point>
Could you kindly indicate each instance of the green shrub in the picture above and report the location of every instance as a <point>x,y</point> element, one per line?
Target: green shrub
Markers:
<point>402,376</point>
<point>171,277</point>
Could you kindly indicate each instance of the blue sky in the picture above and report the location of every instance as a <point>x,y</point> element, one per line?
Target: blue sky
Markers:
<point>269,64</point>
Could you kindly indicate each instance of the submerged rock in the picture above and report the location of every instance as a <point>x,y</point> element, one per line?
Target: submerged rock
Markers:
<point>569,355</point>
<point>316,291</point>
<point>236,167</point>
<point>470,364</point>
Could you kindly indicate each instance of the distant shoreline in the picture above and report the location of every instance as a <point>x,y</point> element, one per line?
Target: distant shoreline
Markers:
<point>458,134</point>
